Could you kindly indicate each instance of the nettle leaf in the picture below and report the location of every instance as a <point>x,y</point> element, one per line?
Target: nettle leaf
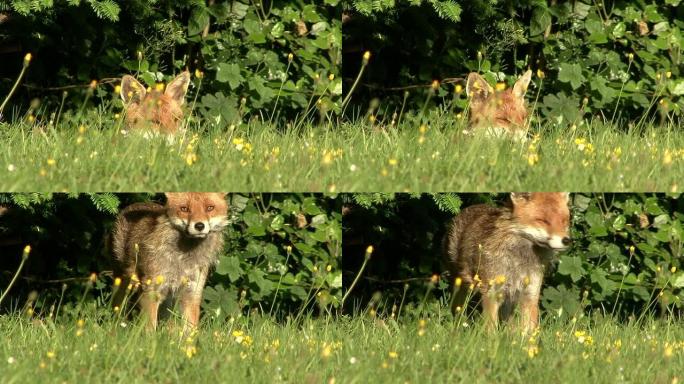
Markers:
<point>561,301</point>
<point>571,266</point>
<point>199,20</point>
<point>254,31</point>
<point>561,107</point>
<point>219,301</point>
<point>678,281</point>
<point>277,222</point>
<point>229,73</point>
<point>541,20</point>
<point>309,206</point>
<point>571,73</point>
<point>597,224</point>
<point>597,33</point>
<point>264,286</point>
<point>229,266</point>
<point>600,277</point>
<point>652,207</point>
<point>677,87</point>
<point>619,222</point>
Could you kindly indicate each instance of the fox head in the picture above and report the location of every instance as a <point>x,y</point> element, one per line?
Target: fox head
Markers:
<point>543,217</point>
<point>196,214</point>
<point>499,111</point>
<point>155,109</point>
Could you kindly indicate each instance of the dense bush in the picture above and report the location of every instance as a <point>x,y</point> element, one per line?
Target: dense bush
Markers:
<point>626,257</point>
<point>601,58</point>
<point>266,59</point>
<point>282,250</point>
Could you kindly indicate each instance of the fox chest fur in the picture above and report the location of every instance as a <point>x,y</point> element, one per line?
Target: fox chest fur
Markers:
<point>483,247</point>
<point>145,243</point>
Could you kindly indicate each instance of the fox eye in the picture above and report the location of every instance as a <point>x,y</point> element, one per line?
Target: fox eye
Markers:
<point>544,221</point>
<point>210,208</point>
<point>184,208</point>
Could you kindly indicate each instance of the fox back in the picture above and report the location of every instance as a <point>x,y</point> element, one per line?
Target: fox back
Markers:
<point>508,248</point>
<point>498,112</point>
<point>157,110</point>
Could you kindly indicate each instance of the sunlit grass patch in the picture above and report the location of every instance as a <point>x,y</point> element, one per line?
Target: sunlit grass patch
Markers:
<point>96,347</point>
<point>361,156</point>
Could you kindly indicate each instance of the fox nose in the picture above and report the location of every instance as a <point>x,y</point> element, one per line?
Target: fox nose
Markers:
<point>200,227</point>
<point>566,241</point>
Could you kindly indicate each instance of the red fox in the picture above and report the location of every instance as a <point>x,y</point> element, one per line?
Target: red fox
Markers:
<point>503,252</point>
<point>168,250</point>
<point>498,112</point>
<point>156,110</point>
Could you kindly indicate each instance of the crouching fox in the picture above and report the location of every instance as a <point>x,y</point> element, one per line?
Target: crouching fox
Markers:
<point>167,250</point>
<point>502,253</point>
<point>498,112</point>
<point>154,110</point>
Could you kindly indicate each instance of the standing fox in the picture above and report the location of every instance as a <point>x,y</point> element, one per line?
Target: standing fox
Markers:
<point>156,110</point>
<point>498,112</point>
<point>503,252</point>
<point>169,250</point>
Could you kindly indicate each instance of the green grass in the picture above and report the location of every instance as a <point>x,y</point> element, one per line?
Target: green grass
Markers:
<point>348,157</point>
<point>346,350</point>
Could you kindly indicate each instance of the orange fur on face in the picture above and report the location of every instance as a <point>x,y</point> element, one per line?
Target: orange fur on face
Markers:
<point>186,209</point>
<point>498,110</point>
<point>159,111</point>
<point>545,214</point>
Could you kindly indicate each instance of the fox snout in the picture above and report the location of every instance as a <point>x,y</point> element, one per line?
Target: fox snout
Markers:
<point>198,229</point>
<point>559,242</point>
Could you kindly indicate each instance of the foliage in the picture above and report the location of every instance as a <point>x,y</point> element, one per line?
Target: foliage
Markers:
<point>614,59</point>
<point>266,60</point>
<point>282,251</point>
<point>626,257</point>
<point>627,254</point>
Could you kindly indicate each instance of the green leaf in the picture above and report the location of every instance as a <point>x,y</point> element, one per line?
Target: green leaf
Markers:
<point>561,301</point>
<point>277,29</point>
<point>199,19</point>
<point>229,73</point>
<point>571,266</point>
<point>309,206</point>
<point>678,281</point>
<point>652,207</point>
<point>619,222</point>
<point>254,31</point>
<point>541,20</point>
<point>571,73</point>
<point>229,266</point>
<point>277,222</point>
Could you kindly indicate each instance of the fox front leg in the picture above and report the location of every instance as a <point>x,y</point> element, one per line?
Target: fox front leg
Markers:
<point>149,306</point>
<point>529,303</point>
<point>529,309</point>
<point>191,298</point>
<point>490,310</point>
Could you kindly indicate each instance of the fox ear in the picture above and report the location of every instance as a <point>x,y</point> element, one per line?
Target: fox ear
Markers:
<point>566,196</point>
<point>221,195</point>
<point>520,86</point>
<point>131,90</point>
<point>520,197</point>
<point>178,87</point>
<point>477,87</point>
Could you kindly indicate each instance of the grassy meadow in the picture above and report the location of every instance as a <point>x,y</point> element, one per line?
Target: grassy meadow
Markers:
<point>96,346</point>
<point>358,156</point>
